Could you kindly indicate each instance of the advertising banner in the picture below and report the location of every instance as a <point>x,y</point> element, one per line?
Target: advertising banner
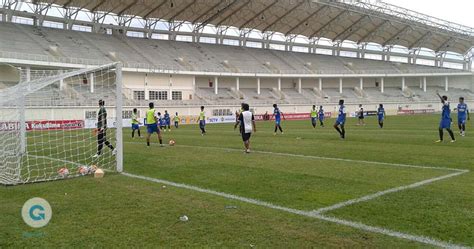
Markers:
<point>415,112</point>
<point>46,125</point>
<point>290,116</point>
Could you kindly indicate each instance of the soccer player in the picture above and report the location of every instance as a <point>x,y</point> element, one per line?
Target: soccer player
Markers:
<point>321,116</point>
<point>202,121</point>
<point>361,115</point>
<point>314,116</point>
<point>135,123</point>
<point>237,116</point>
<point>161,121</point>
<point>247,126</point>
<point>463,115</point>
<point>445,119</point>
<point>277,114</point>
<point>152,124</point>
<point>102,131</point>
<point>167,119</point>
<point>341,120</point>
<point>381,115</point>
<point>176,120</point>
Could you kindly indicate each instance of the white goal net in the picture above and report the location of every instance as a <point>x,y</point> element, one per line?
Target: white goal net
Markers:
<point>52,126</point>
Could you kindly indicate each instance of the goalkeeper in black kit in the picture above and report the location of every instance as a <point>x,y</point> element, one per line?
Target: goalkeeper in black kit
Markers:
<point>102,131</point>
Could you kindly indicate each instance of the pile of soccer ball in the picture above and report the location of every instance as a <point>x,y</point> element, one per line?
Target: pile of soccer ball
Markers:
<point>86,170</point>
<point>82,171</point>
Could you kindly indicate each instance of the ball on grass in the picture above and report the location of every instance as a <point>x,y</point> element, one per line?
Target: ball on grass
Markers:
<point>172,142</point>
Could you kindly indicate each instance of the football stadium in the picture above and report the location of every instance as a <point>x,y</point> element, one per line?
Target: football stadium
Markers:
<point>235,124</point>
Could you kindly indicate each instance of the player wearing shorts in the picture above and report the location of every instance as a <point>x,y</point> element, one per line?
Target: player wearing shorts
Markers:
<point>445,120</point>
<point>463,116</point>
<point>314,116</point>
<point>152,124</point>
<point>176,121</point>
<point>277,114</point>
<point>341,120</point>
<point>381,115</point>
<point>247,126</point>
<point>167,120</point>
<point>135,123</point>
<point>321,116</point>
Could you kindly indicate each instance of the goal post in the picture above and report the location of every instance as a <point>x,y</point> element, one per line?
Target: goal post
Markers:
<point>49,125</point>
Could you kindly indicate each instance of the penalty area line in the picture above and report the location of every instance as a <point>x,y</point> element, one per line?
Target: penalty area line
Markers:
<point>356,225</point>
<point>323,158</point>
<point>385,192</point>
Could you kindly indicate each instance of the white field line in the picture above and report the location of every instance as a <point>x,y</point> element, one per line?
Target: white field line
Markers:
<point>384,192</point>
<point>321,157</point>
<point>360,226</point>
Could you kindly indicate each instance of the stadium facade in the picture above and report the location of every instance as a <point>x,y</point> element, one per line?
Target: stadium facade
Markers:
<point>182,54</point>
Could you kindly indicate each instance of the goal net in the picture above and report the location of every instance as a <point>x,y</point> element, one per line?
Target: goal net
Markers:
<point>52,127</point>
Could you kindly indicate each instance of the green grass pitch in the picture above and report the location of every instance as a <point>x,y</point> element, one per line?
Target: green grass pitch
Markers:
<point>299,170</point>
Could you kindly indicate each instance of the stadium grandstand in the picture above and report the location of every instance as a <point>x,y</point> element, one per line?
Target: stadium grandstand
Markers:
<point>222,53</point>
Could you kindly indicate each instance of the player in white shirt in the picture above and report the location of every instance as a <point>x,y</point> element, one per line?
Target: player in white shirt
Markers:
<point>247,126</point>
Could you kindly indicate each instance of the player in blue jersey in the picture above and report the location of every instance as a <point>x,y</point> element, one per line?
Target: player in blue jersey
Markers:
<point>278,115</point>
<point>321,116</point>
<point>341,120</point>
<point>381,115</point>
<point>463,116</point>
<point>167,120</point>
<point>445,119</point>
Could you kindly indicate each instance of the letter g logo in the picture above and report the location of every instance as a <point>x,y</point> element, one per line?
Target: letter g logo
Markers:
<point>36,212</point>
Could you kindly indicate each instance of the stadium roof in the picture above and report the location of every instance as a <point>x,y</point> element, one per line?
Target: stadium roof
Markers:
<point>357,21</point>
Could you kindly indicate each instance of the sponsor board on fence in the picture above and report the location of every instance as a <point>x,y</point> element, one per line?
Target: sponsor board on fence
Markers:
<point>290,116</point>
<point>45,125</point>
<point>414,112</point>
<point>366,113</point>
<point>194,120</point>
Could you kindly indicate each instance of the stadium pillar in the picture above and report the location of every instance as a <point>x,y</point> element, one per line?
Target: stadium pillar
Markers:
<point>320,84</point>
<point>403,83</point>
<point>28,74</point>
<point>382,81</point>
<point>446,83</point>
<point>424,84</point>
<point>237,84</point>
<point>194,83</point>
<point>299,85</point>
<point>170,87</point>
<point>340,85</point>
<point>279,84</point>
<point>147,94</point>
<point>216,85</point>
<point>91,80</point>
<point>258,86</point>
<point>361,82</point>
<point>421,83</point>
<point>61,81</point>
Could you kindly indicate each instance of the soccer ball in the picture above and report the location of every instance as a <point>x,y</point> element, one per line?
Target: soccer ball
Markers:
<point>83,170</point>
<point>171,142</point>
<point>63,172</point>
